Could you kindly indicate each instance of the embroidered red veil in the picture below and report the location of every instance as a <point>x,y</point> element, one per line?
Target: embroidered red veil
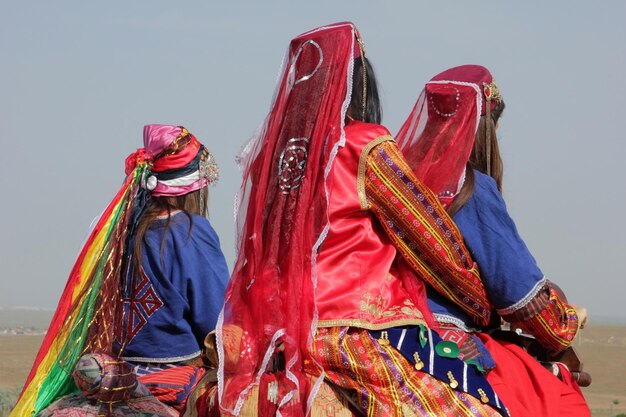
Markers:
<point>438,136</point>
<point>282,221</point>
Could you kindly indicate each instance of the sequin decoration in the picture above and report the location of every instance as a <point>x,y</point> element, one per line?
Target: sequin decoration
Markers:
<point>292,164</point>
<point>295,61</point>
<point>451,106</point>
<point>207,167</point>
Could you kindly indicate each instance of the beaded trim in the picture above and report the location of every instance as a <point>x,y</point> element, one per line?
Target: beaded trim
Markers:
<point>369,326</point>
<point>457,99</point>
<point>525,300</point>
<point>444,318</point>
<point>162,360</point>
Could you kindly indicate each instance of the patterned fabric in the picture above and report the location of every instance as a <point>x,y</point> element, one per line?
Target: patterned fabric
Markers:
<point>84,316</point>
<point>106,380</point>
<point>172,386</point>
<point>469,348</point>
<point>428,352</point>
<point>382,382</point>
<point>142,369</point>
<point>410,213</point>
<point>261,400</point>
<point>141,301</point>
<point>555,326</point>
<point>203,400</point>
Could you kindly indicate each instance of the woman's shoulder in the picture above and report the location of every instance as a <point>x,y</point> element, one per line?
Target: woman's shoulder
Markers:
<point>486,199</point>
<point>192,230</point>
<point>180,223</point>
<point>483,180</point>
<point>485,188</point>
<point>356,127</point>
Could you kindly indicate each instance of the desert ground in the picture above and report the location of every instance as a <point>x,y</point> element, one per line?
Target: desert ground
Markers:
<point>602,348</point>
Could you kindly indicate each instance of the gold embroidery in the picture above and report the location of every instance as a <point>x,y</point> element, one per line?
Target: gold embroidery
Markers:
<point>376,307</point>
<point>369,307</point>
<point>364,324</point>
<point>410,310</point>
<point>360,181</point>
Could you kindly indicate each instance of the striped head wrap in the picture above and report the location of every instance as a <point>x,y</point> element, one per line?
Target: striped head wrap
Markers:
<point>179,163</point>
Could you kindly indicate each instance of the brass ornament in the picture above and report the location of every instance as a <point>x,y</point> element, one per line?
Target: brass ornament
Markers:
<point>419,365</point>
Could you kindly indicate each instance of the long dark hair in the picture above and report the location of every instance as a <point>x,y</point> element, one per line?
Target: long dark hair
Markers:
<point>478,159</point>
<point>196,202</point>
<point>373,112</point>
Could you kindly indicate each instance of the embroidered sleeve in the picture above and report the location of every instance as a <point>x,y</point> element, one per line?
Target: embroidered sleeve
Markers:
<point>420,228</point>
<point>548,318</point>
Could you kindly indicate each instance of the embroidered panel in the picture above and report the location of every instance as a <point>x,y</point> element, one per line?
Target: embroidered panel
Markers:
<point>140,302</point>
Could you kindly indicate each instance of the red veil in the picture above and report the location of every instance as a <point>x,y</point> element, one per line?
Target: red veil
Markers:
<point>438,136</point>
<point>282,219</point>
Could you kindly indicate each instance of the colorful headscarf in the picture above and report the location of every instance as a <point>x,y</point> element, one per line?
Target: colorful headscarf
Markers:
<point>283,221</point>
<point>85,316</point>
<point>438,136</point>
<point>180,164</point>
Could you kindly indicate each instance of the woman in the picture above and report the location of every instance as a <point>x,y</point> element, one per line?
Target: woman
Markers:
<point>319,291</point>
<point>177,277</point>
<point>148,284</point>
<point>449,140</point>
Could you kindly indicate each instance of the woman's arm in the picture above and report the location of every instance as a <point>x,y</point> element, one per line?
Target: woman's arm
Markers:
<point>421,229</point>
<point>518,288</point>
<point>549,318</point>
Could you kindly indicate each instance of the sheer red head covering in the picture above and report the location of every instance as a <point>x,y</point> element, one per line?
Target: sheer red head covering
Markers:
<point>282,221</point>
<point>438,136</point>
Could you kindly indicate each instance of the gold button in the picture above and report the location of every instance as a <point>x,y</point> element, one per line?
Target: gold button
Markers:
<point>418,361</point>
<point>483,396</point>
<point>453,381</point>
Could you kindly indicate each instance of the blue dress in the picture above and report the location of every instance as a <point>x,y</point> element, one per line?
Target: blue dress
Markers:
<point>172,304</point>
<point>509,271</point>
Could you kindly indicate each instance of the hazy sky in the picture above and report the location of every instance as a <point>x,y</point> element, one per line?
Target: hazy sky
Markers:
<point>78,80</point>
